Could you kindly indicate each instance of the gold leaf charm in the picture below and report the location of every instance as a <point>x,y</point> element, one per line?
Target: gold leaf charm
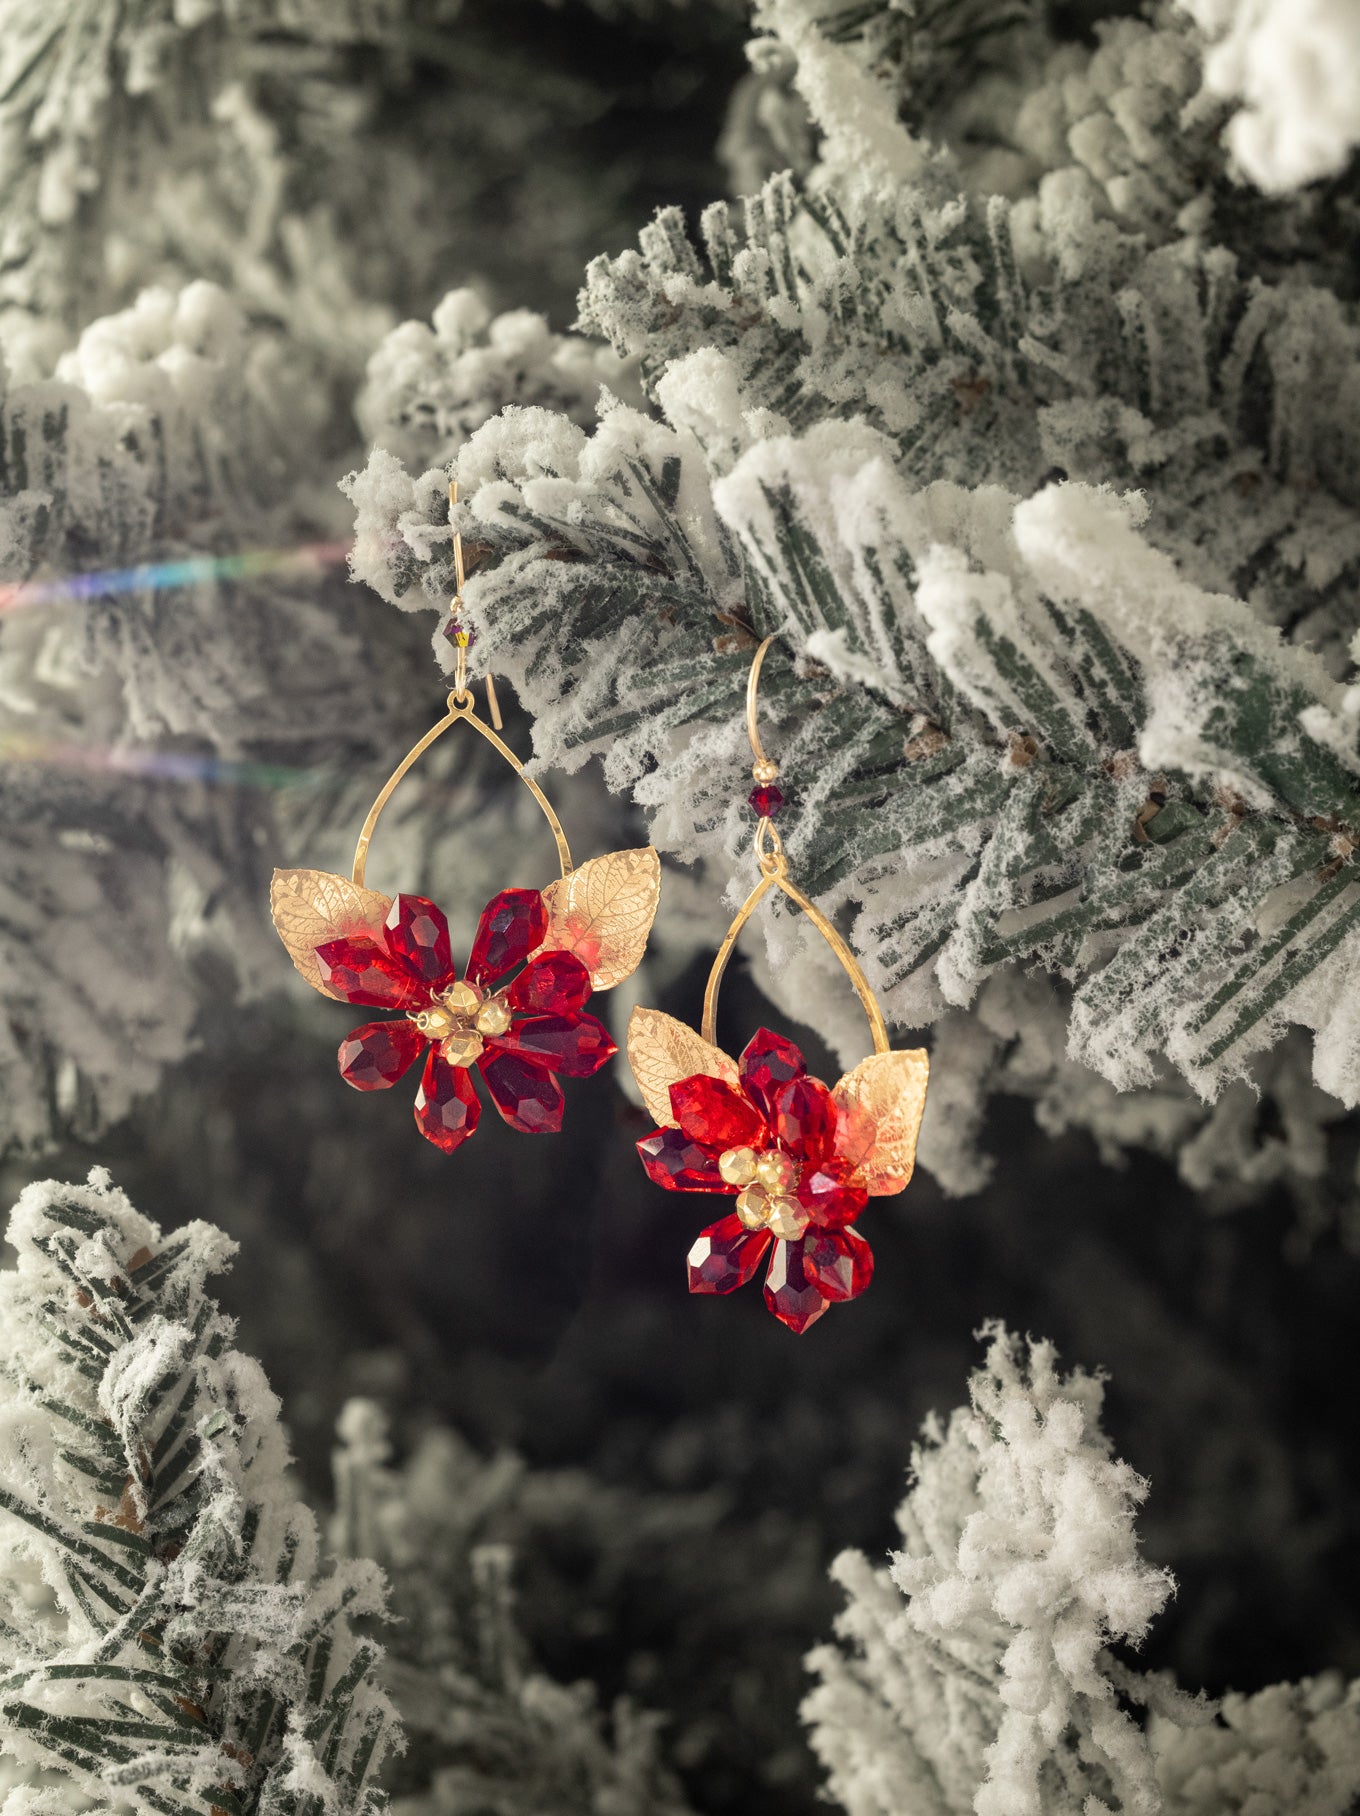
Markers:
<point>311,906</point>
<point>603,913</point>
<point>880,1103</point>
<point>662,1051</point>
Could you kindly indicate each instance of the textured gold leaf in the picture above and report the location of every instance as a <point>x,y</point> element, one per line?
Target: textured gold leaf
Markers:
<point>604,911</point>
<point>881,1102</point>
<point>311,906</point>
<point>662,1050</point>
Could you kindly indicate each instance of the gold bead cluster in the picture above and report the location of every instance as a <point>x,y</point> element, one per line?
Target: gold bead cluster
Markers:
<point>461,1020</point>
<point>766,1200</point>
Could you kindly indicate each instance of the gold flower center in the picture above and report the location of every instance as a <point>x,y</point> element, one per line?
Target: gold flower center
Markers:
<point>766,1200</point>
<point>461,1020</point>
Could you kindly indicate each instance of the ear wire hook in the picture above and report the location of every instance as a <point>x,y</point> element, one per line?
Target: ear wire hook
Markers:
<point>774,874</point>
<point>461,706</point>
<point>461,636</point>
<point>768,844</point>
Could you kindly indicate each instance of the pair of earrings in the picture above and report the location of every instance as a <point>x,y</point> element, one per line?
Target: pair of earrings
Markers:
<point>801,1160</point>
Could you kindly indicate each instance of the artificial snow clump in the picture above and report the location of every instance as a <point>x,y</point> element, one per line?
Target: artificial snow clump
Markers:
<point>991,1688</point>
<point>428,388</point>
<point>170,1642</point>
<point>976,1676</point>
<point>1295,65</point>
<point>1290,1750</point>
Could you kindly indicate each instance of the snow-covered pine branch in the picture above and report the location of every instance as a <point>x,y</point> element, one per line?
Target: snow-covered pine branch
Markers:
<point>170,1642</point>
<point>980,1673</point>
<point>1053,501</point>
<point>488,1730</point>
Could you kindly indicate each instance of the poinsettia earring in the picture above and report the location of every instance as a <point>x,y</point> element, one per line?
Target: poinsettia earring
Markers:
<point>801,1160</point>
<point>517,1013</point>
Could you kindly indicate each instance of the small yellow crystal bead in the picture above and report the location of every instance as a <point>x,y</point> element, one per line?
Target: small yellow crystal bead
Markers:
<point>738,1165</point>
<point>786,1218</point>
<point>776,1172</point>
<point>462,999</point>
<point>493,1017</point>
<point>752,1205</point>
<point>462,1047</point>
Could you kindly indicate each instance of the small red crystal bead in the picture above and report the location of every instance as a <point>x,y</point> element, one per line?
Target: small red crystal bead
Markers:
<point>791,1293</point>
<point>839,1263</point>
<point>714,1113</point>
<point>575,1045</point>
<point>767,1062</point>
<point>418,936</point>
<point>554,983</point>
<point>363,972</point>
<point>766,799</point>
<point>805,1118</point>
<point>447,1107</point>
<point>376,1055</point>
<point>725,1256</point>
<point>528,1097</point>
<point>672,1160</point>
<point>827,1190</point>
<point>513,924</point>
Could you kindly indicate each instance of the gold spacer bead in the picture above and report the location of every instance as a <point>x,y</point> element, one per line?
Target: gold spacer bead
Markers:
<point>462,1047</point>
<point>752,1206</point>
<point>738,1165</point>
<point>492,1018</point>
<point>776,1171</point>
<point>462,999</point>
<point>765,769</point>
<point>787,1218</point>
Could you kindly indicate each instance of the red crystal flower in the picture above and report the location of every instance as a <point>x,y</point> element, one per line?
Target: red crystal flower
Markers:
<point>519,1034</point>
<point>771,1142</point>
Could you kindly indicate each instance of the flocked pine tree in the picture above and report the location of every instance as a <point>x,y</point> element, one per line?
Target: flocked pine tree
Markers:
<point>1051,497</point>
<point>170,1641</point>
<point>1017,394</point>
<point>981,1672</point>
<point>489,1735</point>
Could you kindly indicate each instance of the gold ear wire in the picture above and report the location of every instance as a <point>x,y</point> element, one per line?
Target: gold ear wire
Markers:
<point>774,874</point>
<point>462,692</point>
<point>461,705</point>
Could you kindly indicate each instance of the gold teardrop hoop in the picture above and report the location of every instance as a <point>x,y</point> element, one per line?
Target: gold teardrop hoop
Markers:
<point>461,708</point>
<point>774,874</point>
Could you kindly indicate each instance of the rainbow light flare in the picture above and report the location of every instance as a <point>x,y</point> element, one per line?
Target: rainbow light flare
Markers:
<point>189,570</point>
<point>155,576</point>
<point>164,765</point>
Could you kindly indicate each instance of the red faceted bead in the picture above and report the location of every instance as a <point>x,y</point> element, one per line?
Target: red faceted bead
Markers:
<point>554,983</point>
<point>715,1114</point>
<point>805,1118</point>
<point>826,1189</point>
<point>672,1160</point>
<point>376,1055</point>
<point>766,799</point>
<point>575,1045</point>
<point>791,1293</point>
<point>513,924</point>
<point>767,1062</point>
<point>528,1097</point>
<point>725,1256</point>
<point>418,937</point>
<point>362,971</point>
<point>447,1107</point>
<point>839,1263</point>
